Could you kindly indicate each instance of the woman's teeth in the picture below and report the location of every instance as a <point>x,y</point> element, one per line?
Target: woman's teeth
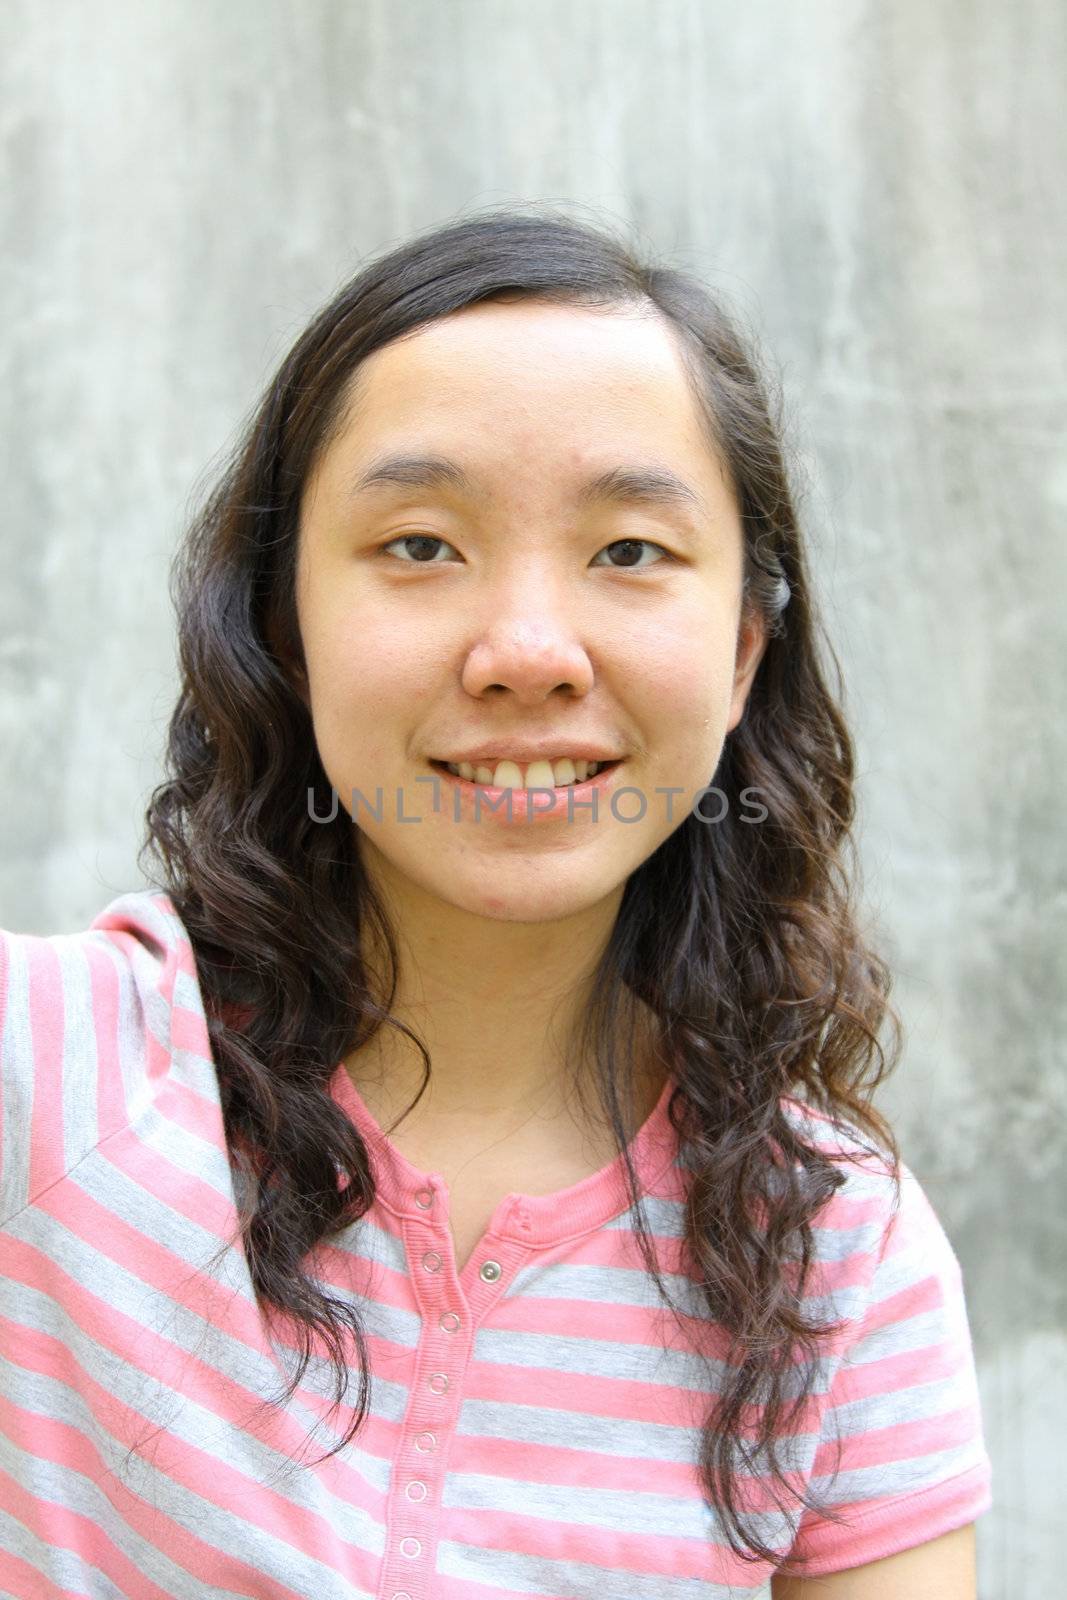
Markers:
<point>538,775</point>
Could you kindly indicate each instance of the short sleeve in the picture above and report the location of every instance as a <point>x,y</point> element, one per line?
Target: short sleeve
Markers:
<point>903,1424</point>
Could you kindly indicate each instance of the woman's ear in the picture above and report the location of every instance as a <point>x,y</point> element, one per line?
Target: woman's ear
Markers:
<point>752,637</point>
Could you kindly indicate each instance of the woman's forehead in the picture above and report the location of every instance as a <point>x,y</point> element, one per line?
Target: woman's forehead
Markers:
<point>507,389</point>
<point>495,343</point>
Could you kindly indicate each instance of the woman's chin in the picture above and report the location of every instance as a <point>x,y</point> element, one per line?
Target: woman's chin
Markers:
<point>528,893</point>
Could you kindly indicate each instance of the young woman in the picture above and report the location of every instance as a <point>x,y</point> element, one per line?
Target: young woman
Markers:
<point>497,1041</point>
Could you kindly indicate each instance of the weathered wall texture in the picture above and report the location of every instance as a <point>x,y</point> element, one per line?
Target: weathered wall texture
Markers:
<point>876,188</point>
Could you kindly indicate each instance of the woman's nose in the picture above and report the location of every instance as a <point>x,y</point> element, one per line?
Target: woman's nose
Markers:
<point>531,650</point>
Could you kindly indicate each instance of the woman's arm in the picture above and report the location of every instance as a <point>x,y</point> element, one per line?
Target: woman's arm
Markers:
<point>942,1569</point>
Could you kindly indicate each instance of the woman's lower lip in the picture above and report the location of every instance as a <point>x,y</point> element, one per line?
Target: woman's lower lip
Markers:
<point>530,805</point>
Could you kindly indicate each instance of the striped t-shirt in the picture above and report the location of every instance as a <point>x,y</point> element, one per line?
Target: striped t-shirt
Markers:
<point>534,1420</point>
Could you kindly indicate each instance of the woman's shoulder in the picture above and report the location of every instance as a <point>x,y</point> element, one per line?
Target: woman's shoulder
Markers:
<point>53,985</point>
<point>867,1170</point>
<point>145,916</point>
<point>879,1231</point>
<point>91,1023</point>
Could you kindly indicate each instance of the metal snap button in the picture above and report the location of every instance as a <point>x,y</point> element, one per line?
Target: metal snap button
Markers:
<point>490,1271</point>
<point>438,1382</point>
<point>449,1320</point>
<point>416,1490</point>
<point>410,1547</point>
<point>400,1594</point>
<point>425,1442</point>
<point>432,1261</point>
<point>424,1199</point>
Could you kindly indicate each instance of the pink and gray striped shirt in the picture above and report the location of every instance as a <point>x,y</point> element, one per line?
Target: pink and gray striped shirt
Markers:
<point>534,1419</point>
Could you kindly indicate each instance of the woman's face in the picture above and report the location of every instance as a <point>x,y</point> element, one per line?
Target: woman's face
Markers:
<point>519,544</point>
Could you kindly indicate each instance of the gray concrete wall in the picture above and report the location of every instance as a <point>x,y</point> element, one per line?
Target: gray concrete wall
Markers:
<point>878,188</point>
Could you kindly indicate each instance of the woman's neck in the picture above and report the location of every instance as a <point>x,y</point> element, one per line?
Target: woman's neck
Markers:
<point>496,1004</point>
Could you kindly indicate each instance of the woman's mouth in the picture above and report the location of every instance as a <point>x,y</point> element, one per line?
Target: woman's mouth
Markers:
<point>538,792</point>
<point>506,774</point>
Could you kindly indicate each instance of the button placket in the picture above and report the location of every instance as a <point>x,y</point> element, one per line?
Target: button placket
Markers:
<point>432,1285</point>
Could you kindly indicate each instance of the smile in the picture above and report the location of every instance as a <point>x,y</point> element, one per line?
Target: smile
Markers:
<point>507,774</point>
<point>515,801</point>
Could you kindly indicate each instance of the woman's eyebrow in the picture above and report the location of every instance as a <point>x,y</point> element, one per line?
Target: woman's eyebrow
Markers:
<point>413,472</point>
<point>636,485</point>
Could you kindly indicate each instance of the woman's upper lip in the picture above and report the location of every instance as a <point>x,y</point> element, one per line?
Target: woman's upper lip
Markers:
<point>524,753</point>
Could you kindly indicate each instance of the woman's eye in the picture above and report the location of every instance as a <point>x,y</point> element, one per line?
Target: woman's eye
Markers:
<point>421,556</point>
<point>419,551</point>
<point>630,550</point>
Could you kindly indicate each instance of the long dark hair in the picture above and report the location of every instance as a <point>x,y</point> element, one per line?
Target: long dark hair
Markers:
<point>741,940</point>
